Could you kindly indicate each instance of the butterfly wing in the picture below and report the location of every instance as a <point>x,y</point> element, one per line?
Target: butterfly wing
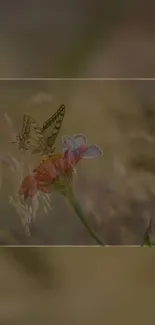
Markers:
<point>26,127</point>
<point>36,136</point>
<point>31,132</point>
<point>52,126</point>
<point>23,138</point>
<point>35,130</point>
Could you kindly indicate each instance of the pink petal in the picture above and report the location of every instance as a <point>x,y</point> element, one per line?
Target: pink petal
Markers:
<point>29,187</point>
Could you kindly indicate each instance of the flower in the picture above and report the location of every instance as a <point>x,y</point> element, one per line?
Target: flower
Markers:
<point>29,187</point>
<point>77,147</point>
<point>58,170</point>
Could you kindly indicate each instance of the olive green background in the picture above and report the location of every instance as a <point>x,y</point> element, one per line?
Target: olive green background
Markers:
<point>76,38</point>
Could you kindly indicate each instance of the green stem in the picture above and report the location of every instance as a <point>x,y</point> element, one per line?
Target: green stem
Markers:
<point>81,215</point>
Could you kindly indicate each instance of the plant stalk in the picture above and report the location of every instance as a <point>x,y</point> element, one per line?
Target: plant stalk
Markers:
<point>79,212</point>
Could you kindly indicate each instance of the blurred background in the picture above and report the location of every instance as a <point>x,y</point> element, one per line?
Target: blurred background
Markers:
<point>81,39</point>
<point>76,38</point>
<point>77,286</point>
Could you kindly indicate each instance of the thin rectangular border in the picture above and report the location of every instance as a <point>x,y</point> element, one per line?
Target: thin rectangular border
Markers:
<point>75,79</point>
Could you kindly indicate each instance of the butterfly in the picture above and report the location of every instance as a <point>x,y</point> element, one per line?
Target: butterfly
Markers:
<point>41,139</point>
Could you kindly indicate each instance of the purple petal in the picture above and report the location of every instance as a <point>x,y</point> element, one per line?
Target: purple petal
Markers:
<point>74,142</point>
<point>66,142</point>
<point>79,140</point>
<point>92,152</point>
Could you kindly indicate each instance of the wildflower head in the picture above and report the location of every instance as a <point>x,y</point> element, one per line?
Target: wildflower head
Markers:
<point>55,172</point>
